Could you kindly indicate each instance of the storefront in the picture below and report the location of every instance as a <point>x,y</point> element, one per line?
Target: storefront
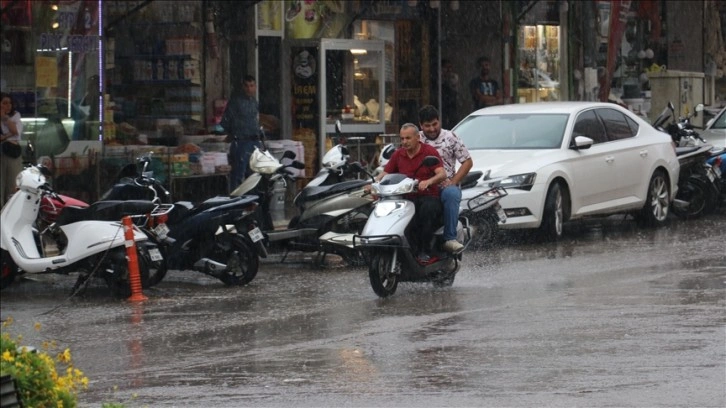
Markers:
<point>51,67</point>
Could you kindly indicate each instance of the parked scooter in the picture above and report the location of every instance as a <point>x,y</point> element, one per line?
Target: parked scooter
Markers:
<point>698,184</point>
<point>216,237</point>
<point>387,237</point>
<point>70,244</point>
<point>340,207</point>
<point>480,205</point>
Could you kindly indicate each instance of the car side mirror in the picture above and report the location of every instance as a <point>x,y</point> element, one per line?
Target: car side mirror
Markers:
<point>582,143</point>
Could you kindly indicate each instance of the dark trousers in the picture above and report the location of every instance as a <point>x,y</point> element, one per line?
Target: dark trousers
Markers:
<point>427,220</point>
<point>239,158</point>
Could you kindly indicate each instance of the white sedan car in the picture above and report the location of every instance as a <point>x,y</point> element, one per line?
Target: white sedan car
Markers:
<point>567,160</point>
<point>715,131</point>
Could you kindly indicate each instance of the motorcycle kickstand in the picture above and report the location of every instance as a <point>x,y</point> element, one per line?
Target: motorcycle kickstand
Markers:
<point>284,256</point>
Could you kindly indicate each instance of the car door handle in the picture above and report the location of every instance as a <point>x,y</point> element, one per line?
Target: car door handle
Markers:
<point>610,159</point>
<point>644,153</point>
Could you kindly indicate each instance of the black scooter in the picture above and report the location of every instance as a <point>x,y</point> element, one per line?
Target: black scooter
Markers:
<point>218,237</point>
<point>698,183</point>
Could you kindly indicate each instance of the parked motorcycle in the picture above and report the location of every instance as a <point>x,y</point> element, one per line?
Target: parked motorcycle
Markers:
<point>339,207</point>
<point>70,244</point>
<point>217,237</point>
<point>480,205</point>
<point>698,184</point>
<point>387,235</point>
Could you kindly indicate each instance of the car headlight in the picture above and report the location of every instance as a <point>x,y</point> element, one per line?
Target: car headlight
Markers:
<point>521,181</point>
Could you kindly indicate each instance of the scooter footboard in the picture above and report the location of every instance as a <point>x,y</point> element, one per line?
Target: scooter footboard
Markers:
<point>372,241</point>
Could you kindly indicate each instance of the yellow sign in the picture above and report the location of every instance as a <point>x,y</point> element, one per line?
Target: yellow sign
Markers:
<point>46,72</point>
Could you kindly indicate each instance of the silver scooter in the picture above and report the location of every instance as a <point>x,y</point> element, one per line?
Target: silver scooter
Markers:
<point>339,208</point>
<point>387,235</point>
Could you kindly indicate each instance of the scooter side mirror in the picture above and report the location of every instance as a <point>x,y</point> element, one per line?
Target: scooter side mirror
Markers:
<point>338,127</point>
<point>430,161</point>
<point>289,154</point>
<point>45,171</point>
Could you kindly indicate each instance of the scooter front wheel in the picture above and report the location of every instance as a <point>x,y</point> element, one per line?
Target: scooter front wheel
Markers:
<point>240,257</point>
<point>383,273</point>
<point>8,269</point>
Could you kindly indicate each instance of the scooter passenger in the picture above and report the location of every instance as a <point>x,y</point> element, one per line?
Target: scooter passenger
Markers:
<point>407,160</point>
<point>452,149</point>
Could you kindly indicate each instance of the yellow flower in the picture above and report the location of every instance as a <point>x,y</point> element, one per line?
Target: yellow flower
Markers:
<point>7,356</point>
<point>65,356</point>
<point>8,321</point>
<point>37,326</point>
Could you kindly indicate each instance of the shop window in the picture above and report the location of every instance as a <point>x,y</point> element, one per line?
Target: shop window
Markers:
<point>539,57</point>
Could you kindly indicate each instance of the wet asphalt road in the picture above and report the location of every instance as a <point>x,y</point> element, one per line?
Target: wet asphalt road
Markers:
<point>611,316</point>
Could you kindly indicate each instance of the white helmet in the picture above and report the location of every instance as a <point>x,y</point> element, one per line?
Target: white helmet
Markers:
<point>336,157</point>
<point>263,162</point>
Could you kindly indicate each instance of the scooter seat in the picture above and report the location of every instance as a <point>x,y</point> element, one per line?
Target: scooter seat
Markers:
<point>318,192</point>
<point>224,200</point>
<point>680,151</point>
<point>111,210</point>
<point>471,179</point>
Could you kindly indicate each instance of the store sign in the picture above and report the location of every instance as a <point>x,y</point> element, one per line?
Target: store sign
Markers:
<point>304,87</point>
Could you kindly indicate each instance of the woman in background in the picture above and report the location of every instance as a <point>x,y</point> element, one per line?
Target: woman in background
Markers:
<point>12,162</point>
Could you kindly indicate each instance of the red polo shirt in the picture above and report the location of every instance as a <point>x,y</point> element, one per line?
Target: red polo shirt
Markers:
<point>401,163</point>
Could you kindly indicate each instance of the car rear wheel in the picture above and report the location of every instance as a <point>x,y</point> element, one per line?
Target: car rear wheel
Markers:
<point>655,210</point>
<point>555,212</point>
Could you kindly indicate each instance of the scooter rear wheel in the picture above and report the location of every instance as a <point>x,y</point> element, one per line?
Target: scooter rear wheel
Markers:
<point>699,198</point>
<point>240,257</point>
<point>8,269</point>
<point>383,281</point>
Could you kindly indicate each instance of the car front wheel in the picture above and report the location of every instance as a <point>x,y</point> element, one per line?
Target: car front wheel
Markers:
<point>555,212</point>
<point>655,210</point>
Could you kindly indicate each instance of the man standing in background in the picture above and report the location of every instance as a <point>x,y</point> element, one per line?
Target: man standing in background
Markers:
<point>484,90</point>
<point>241,122</point>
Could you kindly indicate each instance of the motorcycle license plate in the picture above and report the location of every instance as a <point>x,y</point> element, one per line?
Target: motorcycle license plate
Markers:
<point>711,175</point>
<point>500,213</point>
<point>155,254</point>
<point>161,230</point>
<point>255,234</point>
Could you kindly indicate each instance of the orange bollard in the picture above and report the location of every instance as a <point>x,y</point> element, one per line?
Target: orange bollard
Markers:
<point>134,275</point>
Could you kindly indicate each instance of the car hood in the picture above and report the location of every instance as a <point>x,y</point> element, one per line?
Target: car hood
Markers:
<point>715,137</point>
<point>510,162</point>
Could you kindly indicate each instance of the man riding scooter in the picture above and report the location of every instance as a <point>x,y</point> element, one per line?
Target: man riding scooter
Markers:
<point>408,160</point>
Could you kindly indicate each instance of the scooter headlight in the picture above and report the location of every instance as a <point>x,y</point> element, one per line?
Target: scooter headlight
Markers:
<point>384,208</point>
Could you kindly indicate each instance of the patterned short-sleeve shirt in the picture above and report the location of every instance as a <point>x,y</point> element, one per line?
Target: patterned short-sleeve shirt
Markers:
<point>450,148</point>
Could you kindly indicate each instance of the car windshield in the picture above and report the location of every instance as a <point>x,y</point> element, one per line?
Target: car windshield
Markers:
<point>513,131</point>
<point>720,122</point>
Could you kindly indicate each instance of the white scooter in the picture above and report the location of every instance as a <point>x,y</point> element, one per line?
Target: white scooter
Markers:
<point>69,245</point>
<point>387,236</point>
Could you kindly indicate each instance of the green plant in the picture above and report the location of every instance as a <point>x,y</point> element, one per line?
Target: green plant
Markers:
<point>36,372</point>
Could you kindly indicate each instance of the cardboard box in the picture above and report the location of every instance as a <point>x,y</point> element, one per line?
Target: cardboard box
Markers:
<point>180,158</point>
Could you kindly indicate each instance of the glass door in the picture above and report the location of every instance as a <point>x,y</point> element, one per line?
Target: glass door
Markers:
<point>539,59</point>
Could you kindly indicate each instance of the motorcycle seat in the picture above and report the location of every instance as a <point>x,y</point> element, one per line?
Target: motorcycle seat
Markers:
<point>318,192</point>
<point>224,200</point>
<point>110,210</point>
<point>680,151</point>
<point>471,179</point>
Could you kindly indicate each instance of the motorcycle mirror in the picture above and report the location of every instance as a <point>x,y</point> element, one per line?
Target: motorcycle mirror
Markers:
<point>338,127</point>
<point>430,161</point>
<point>288,154</point>
<point>45,171</point>
<point>297,165</point>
